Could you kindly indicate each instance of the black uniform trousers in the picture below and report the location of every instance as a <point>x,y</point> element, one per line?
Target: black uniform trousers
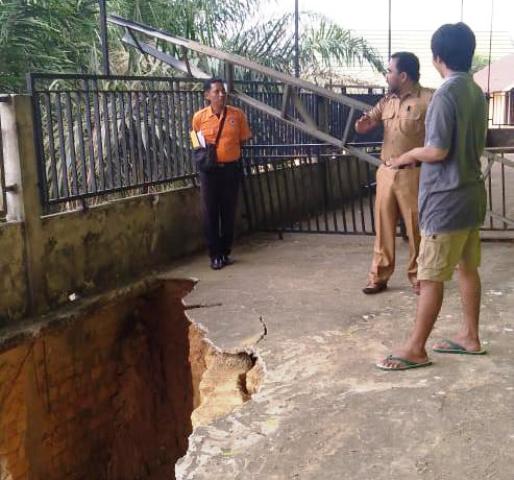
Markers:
<point>220,189</point>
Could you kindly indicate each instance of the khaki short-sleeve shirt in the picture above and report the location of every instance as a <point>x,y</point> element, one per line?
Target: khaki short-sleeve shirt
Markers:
<point>403,119</point>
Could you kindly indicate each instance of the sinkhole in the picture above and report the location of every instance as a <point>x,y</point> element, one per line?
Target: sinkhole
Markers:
<point>113,389</point>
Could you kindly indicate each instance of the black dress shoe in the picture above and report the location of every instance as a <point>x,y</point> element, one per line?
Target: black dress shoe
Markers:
<point>226,260</point>
<point>216,263</point>
<point>372,288</point>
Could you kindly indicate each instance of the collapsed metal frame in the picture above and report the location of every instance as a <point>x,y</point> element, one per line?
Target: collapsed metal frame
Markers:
<point>292,85</point>
<point>317,128</point>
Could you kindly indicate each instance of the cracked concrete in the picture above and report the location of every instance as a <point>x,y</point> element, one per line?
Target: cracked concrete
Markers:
<point>323,410</point>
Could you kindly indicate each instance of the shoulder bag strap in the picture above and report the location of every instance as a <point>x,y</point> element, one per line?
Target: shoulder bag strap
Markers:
<point>221,126</point>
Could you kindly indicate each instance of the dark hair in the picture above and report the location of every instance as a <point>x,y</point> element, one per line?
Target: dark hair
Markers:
<point>455,45</point>
<point>407,62</point>
<point>207,84</point>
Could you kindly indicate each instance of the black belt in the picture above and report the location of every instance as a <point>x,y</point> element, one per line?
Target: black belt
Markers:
<point>227,164</point>
<point>416,165</point>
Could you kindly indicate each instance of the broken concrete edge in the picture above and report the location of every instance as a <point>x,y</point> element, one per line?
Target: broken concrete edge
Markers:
<point>248,347</point>
<point>32,328</point>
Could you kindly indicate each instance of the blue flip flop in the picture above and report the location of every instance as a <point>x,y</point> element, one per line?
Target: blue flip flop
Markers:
<point>457,349</point>
<point>404,364</point>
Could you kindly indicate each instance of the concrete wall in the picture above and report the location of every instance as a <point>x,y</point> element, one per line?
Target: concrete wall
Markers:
<point>110,244</point>
<point>85,252</point>
<point>13,286</point>
<point>45,259</point>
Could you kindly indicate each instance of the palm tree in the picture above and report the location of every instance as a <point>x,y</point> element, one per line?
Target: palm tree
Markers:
<point>62,36</point>
<point>324,45</point>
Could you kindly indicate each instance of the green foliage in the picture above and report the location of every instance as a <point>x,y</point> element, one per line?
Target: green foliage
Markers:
<point>479,62</point>
<point>45,35</point>
<point>62,36</point>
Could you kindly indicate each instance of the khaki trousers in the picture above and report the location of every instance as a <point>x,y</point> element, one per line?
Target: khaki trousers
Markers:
<point>397,193</point>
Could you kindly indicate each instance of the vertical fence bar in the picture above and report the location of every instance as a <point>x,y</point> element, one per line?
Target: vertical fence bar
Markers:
<point>140,168</point>
<point>245,180</point>
<point>108,144</point>
<point>323,166</point>
<point>117,180</point>
<point>173,131</point>
<point>152,134</point>
<point>159,133</point>
<point>132,141</point>
<point>82,145</point>
<point>289,212</point>
<point>266,218</point>
<point>98,130</point>
<point>51,147</point>
<point>359,190</point>
<point>62,145</point>
<point>296,195</point>
<point>276,177</point>
<point>250,180</point>
<point>180,131</point>
<point>304,170</point>
<point>274,220</point>
<point>352,193</point>
<point>331,190</point>
<point>124,171</point>
<point>167,131</point>
<point>342,195</point>
<point>90,140</point>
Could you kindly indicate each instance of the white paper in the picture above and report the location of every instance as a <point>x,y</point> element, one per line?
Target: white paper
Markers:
<point>201,139</point>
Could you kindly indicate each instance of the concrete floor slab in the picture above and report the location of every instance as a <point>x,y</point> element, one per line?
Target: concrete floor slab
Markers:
<point>324,411</point>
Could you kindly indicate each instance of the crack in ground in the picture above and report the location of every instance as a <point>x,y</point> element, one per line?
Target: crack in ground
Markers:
<point>202,305</point>
<point>264,330</point>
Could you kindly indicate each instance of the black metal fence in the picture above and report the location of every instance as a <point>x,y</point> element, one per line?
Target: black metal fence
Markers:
<point>500,194</point>
<point>98,136</point>
<point>310,188</point>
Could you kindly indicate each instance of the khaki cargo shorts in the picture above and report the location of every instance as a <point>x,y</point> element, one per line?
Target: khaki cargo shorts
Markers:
<point>441,253</point>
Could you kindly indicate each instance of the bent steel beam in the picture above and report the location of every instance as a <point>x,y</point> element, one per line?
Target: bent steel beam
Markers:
<point>292,85</point>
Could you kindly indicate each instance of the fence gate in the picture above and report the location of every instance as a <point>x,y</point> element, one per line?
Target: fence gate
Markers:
<point>309,188</point>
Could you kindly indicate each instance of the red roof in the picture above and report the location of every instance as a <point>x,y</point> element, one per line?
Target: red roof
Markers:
<point>502,75</point>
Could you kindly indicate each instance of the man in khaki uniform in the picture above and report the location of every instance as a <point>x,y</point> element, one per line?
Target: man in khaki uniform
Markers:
<point>402,112</point>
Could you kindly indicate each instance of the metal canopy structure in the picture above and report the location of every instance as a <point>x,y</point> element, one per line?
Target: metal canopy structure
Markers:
<point>292,85</point>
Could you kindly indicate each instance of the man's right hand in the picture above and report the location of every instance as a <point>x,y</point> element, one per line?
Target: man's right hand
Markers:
<point>365,124</point>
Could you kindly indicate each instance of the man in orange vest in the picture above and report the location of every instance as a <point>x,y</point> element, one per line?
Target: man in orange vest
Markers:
<point>220,185</point>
